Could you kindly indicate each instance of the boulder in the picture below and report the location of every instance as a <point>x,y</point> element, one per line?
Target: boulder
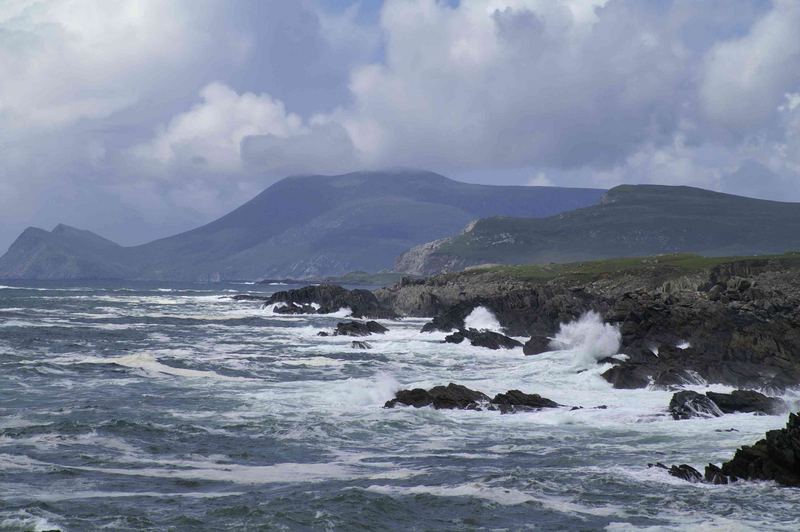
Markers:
<point>747,401</point>
<point>536,345</point>
<point>359,328</point>
<point>627,376</point>
<point>516,401</point>
<point>688,404</point>
<point>294,308</point>
<point>488,339</point>
<point>452,396</point>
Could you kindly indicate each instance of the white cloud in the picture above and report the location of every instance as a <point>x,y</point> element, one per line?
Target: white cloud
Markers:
<point>210,134</point>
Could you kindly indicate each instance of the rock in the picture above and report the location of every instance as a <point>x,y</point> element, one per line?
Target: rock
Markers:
<point>688,404</point>
<point>776,457</point>
<point>440,397</point>
<point>356,344</point>
<point>294,308</point>
<point>460,397</point>
<point>515,400</point>
<point>488,339</point>
<point>747,401</point>
<point>714,475</point>
<point>323,333</point>
<point>359,328</point>
<point>627,377</point>
<point>683,471</point>
<point>248,297</point>
<point>536,345</point>
<point>331,298</point>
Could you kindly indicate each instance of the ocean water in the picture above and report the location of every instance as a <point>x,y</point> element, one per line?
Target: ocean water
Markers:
<point>155,407</point>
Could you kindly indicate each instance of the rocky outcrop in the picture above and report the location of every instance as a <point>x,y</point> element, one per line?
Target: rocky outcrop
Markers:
<point>735,323</point>
<point>456,396</point>
<point>326,299</point>
<point>487,339</point>
<point>774,458</point>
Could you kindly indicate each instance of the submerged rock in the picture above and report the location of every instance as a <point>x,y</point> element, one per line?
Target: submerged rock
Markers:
<point>248,297</point>
<point>357,344</point>
<point>460,397</point>
<point>683,471</point>
<point>488,339</point>
<point>747,401</point>
<point>688,404</point>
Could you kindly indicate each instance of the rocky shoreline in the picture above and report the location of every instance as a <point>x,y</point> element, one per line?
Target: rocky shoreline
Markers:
<point>735,323</point>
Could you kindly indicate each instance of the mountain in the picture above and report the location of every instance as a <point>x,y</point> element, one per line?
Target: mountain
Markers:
<point>631,220</point>
<point>304,226</point>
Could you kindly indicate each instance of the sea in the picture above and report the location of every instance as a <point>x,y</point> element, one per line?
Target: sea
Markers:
<point>157,406</point>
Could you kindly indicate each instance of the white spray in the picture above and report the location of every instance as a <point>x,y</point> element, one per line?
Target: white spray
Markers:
<point>481,318</point>
<point>589,338</point>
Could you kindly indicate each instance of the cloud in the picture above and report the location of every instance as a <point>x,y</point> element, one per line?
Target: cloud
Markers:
<point>170,112</point>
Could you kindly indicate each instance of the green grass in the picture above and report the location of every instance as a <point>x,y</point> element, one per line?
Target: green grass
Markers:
<point>680,263</point>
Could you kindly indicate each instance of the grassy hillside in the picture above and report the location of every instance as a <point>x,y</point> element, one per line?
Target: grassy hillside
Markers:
<point>632,220</point>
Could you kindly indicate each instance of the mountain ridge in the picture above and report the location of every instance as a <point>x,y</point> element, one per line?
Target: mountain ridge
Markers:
<point>301,226</point>
<point>630,220</point>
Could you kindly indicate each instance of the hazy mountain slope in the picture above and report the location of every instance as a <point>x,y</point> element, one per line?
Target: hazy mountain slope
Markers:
<point>64,253</point>
<point>305,226</point>
<point>631,220</point>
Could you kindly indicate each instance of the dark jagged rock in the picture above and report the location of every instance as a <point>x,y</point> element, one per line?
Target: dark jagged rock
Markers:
<point>330,298</point>
<point>683,471</point>
<point>359,328</point>
<point>776,457</point>
<point>460,397</point>
<point>536,345</point>
<point>488,339</point>
<point>451,318</point>
<point>688,404</point>
<point>294,308</point>
<point>440,397</point>
<point>747,401</point>
<point>356,344</point>
<point>627,377</point>
<point>714,475</point>
<point>515,400</point>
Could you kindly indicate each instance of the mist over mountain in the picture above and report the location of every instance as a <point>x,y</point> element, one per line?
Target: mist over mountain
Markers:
<point>299,227</point>
<point>631,220</point>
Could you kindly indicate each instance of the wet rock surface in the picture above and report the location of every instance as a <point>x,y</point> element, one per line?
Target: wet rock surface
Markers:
<point>456,396</point>
<point>736,323</point>
<point>487,339</point>
<point>359,328</point>
<point>329,299</point>
<point>688,404</point>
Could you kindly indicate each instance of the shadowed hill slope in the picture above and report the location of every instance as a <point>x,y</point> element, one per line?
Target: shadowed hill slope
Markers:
<point>304,226</point>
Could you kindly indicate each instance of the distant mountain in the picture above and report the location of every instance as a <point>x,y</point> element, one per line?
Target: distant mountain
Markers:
<point>307,226</point>
<point>631,220</point>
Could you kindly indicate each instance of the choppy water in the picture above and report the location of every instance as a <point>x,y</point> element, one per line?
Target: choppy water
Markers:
<point>131,407</point>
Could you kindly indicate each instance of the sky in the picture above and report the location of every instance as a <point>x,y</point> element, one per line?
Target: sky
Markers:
<point>139,119</point>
